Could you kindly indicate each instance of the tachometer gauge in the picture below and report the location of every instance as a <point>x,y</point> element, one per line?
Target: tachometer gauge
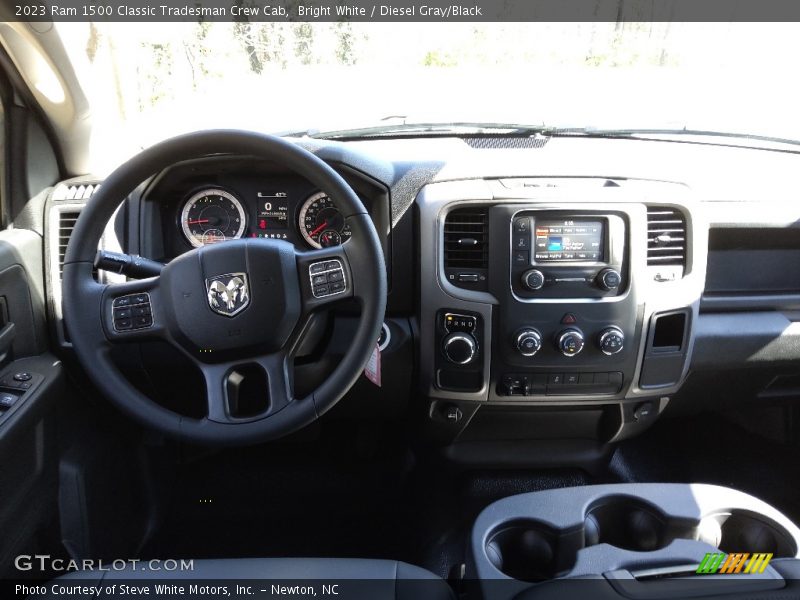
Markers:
<point>321,223</point>
<point>211,216</point>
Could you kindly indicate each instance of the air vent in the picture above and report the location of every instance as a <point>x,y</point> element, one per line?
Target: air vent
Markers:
<point>666,236</point>
<point>466,246</point>
<point>513,142</point>
<point>74,192</point>
<point>66,223</point>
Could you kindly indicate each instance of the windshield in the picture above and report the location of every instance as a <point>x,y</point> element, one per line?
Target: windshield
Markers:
<point>146,82</point>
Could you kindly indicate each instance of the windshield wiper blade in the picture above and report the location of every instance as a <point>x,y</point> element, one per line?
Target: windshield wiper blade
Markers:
<point>654,132</point>
<point>433,129</point>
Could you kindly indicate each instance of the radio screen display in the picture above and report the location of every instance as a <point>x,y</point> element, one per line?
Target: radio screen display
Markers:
<point>578,240</point>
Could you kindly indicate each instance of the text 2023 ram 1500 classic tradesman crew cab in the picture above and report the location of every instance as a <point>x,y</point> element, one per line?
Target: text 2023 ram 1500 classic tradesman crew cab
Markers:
<point>463,359</point>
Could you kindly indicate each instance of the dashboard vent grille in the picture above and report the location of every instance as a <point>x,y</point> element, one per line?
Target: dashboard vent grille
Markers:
<point>66,223</point>
<point>466,240</point>
<point>666,236</point>
<point>74,192</point>
<point>506,142</point>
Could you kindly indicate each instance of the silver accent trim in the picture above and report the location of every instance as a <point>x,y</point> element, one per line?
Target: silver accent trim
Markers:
<point>335,269</point>
<point>387,339</point>
<point>464,337</point>
<point>607,332</point>
<point>148,303</point>
<point>532,333</point>
<point>571,332</point>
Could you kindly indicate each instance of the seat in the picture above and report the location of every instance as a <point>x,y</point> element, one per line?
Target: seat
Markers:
<point>356,578</point>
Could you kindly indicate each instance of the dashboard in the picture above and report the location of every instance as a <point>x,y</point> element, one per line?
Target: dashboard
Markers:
<point>572,291</point>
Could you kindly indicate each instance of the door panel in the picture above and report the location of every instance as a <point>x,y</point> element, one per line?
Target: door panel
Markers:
<point>31,382</point>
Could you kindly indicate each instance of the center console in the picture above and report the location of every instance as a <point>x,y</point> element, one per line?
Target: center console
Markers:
<point>633,541</point>
<point>559,297</point>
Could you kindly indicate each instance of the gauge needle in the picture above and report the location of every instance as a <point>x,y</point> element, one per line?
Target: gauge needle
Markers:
<point>319,229</point>
<point>197,221</point>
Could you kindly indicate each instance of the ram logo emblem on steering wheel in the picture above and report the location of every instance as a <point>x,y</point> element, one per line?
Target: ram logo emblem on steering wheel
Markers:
<point>228,294</point>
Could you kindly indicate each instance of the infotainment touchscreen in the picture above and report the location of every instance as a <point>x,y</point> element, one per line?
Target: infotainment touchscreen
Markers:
<point>568,240</point>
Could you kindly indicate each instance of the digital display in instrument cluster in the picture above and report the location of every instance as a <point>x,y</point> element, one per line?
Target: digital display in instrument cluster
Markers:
<point>272,216</point>
<point>568,240</point>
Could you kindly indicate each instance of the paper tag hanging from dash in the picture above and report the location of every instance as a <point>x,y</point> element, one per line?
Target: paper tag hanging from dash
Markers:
<point>373,369</point>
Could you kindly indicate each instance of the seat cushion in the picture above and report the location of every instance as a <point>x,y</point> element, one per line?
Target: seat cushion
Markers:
<point>356,578</point>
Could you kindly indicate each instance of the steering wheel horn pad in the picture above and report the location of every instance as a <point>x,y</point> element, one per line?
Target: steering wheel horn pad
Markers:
<point>239,302</point>
<point>233,295</point>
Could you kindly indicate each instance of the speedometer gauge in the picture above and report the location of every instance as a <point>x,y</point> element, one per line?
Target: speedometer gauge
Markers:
<point>211,216</point>
<point>321,223</point>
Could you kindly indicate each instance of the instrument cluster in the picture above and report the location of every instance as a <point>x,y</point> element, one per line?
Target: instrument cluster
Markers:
<point>214,214</point>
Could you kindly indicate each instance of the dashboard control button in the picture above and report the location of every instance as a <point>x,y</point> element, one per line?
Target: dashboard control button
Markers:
<point>452,413</point>
<point>533,279</point>
<point>522,242</point>
<point>521,257</point>
<point>608,279</point>
<point>529,342</point>
<point>7,400</point>
<point>459,348</point>
<point>555,379</point>
<point>570,342</point>
<point>522,225</point>
<point>643,411</point>
<point>571,378</point>
<point>611,340</point>
<point>569,319</point>
<point>467,277</point>
<point>601,378</point>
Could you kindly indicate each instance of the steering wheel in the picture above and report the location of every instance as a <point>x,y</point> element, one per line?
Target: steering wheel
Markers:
<point>241,303</point>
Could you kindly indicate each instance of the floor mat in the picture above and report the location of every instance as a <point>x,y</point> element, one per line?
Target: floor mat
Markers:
<point>317,501</point>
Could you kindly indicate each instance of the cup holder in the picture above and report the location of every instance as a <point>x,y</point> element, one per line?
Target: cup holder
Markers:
<point>525,550</point>
<point>749,532</point>
<point>630,524</point>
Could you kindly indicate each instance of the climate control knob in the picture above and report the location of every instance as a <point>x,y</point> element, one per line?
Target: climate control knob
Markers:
<point>611,340</point>
<point>533,279</point>
<point>459,348</point>
<point>570,342</point>
<point>608,279</point>
<point>529,342</point>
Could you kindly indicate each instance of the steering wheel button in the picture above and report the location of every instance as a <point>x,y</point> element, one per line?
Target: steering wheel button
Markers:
<point>143,321</point>
<point>336,287</point>
<point>139,311</point>
<point>140,299</point>
<point>319,280</point>
<point>124,301</point>
<point>316,268</point>
<point>333,264</point>
<point>122,324</point>
<point>321,290</point>
<point>335,276</point>
<point>122,313</point>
